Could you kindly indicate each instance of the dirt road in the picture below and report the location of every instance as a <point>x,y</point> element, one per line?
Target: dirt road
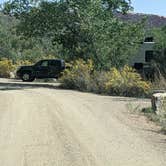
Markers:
<point>51,127</point>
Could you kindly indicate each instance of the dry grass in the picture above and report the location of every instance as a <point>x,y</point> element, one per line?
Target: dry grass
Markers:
<point>151,115</point>
<point>160,82</point>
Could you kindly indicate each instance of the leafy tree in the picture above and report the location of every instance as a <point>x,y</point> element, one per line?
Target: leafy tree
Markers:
<point>116,41</point>
<point>18,7</point>
<point>81,29</point>
<point>6,41</point>
<point>160,47</point>
<point>16,47</point>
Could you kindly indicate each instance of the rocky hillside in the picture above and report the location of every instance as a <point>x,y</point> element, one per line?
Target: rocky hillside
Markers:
<point>152,20</point>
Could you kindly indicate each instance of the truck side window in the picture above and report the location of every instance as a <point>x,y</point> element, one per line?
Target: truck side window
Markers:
<point>55,63</point>
<point>44,64</point>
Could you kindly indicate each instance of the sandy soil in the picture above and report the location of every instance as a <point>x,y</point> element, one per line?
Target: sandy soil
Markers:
<point>51,127</point>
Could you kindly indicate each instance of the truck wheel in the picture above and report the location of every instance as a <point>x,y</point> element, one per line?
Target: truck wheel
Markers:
<point>26,77</point>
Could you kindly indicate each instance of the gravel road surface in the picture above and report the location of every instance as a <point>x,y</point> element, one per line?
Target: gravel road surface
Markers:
<point>42,126</point>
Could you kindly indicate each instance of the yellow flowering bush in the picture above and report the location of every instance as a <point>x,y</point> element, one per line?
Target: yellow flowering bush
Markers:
<point>6,67</point>
<point>77,75</point>
<point>126,82</point>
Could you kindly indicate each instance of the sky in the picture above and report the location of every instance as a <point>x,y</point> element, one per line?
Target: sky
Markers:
<point>157,7</point>
<point>150,6</point>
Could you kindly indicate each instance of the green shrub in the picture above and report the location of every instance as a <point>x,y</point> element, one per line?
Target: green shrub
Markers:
<point>6,67</point>
<point>152,116</point>
<point>148,110</point>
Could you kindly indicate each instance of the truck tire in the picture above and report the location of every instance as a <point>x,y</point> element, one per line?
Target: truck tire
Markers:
<point>27,77</point>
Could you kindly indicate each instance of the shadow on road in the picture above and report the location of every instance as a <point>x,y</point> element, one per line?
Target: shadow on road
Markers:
<point>17,85</point>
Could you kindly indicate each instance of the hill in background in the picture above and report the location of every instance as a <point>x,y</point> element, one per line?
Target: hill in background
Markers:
<point>152,20</point>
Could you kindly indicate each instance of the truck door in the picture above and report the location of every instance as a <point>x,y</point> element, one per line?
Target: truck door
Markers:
<point>55,68</point>
<point>42,69</point>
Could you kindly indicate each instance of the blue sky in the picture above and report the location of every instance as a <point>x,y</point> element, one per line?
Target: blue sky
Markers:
<point>146,6</point>
<point>150,6</point>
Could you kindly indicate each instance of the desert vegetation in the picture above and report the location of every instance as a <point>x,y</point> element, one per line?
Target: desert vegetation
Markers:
<point>124,82</point>
<point>151,115</point>
<point>86,34</point>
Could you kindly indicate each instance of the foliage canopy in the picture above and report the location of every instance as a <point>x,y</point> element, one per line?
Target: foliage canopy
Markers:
<point>79,29</point>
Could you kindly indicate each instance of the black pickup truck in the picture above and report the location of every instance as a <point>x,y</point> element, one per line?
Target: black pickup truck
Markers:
<point>51,68</point>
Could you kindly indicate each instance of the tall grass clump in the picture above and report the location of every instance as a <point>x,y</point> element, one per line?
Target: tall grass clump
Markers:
<point>159,82</point>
